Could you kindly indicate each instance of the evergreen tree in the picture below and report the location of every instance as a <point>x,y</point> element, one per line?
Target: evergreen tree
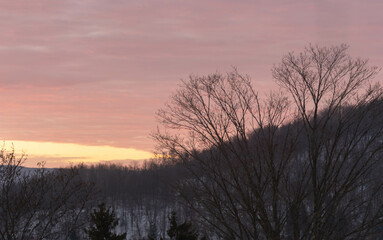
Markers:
<point>73,236</point>
<point>183,231</point>
<point>103,222</point>
<point>152,233</point>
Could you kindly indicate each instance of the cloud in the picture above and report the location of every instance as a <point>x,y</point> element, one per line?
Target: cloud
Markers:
<point>95,72</point>
<point>24,48</point>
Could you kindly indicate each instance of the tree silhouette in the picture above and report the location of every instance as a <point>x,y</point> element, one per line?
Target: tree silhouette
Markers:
<point>300,164</point>
<point>104,222</point>
<point>40,203</point>
<point>152,232</point>
<point>183,231</point>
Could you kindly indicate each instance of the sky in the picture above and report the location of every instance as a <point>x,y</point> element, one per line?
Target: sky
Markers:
<point>80,81</point>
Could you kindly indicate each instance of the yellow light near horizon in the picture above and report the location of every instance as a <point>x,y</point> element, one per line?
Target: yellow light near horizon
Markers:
<point>76,153</point>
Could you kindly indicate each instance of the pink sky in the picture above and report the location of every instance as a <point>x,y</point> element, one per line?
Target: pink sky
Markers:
<point>94,72</point>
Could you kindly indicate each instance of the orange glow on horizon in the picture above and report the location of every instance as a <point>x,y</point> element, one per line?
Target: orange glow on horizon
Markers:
<point>63,154</point>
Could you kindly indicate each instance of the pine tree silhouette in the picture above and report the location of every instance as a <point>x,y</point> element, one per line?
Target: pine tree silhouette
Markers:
<point>183,231</point>
<point>152,232</point>
<point>103,223</point>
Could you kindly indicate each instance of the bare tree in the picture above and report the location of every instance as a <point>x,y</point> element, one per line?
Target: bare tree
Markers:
<point>40,203</point>
<point>341,111</point>
<point>269,169</point>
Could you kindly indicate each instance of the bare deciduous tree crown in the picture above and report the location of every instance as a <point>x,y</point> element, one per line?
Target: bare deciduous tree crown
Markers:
<point>258,171</point>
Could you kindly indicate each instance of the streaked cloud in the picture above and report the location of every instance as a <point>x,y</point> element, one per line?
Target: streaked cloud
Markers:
<point>94,72</point>
<point>24,48</point>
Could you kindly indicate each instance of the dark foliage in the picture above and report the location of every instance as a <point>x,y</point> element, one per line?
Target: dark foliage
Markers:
<point>104,222</point>
<point>183,231</point>
<point>152,232</point>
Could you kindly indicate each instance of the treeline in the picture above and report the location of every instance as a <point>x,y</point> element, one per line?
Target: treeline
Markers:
<point>143,196</point>
<point>45,203</point>
<point>153,179</point>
